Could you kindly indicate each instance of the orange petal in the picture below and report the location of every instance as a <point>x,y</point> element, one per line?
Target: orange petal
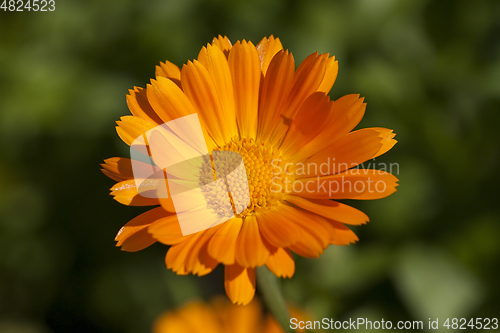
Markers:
<point>360,184</point>
<point>138,241</point>
<point>201,91</point>
<point>345,114</point>
<point>316,232</point>
<point>239,283</point>
<point>311,120</point>
<point>310,223</point>
<point>197,219</point>
<point>184,257</point>
<point>267,49</point>
<point>332,69</point>
<point>206,263</point>
<point>387,141</point>
<point>222,245</point>
<point>167,230</point>
<point>281,263</point>
<point>130,128</point>
<point>345,153</point>
<point>223,43</point>
<point>275,90</point>
<point>306,81</point>
<point>217,65</point>
<point>133,236</point>
<point>245,71</point>
<point>348,112</point>
<point>277,230</point>
<point>199,261</point>
<point>251,249</point>
<point>168,100</point>
<point>125,192</point>
<point>138,104</point>
<point>167,204</point>
<point>169,70</point>
<point>118,168</point>
<point>330,209</point>
<point>141,239</point>
<point>177,255</point>
<point>343,235</point>
<point>166,147</point>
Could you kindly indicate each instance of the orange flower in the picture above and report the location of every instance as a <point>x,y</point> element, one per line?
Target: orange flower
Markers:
<point>298,148</point>
<point>220,316</point>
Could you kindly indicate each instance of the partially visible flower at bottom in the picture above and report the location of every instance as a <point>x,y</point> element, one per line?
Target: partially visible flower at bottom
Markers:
<point>220,316</point>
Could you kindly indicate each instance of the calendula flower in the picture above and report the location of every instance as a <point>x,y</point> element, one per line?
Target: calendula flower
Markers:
<point>298,149</point>
<point>220,316</point>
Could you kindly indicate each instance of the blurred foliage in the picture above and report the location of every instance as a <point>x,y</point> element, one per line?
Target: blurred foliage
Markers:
<point>428,69</point>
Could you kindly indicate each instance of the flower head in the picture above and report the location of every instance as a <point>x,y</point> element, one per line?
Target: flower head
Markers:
<point>298,149</point>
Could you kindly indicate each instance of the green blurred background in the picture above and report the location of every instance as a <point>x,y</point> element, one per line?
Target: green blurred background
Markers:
<point>430,70</point>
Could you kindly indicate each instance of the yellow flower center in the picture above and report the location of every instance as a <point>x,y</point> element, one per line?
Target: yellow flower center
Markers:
<point>267,173</point>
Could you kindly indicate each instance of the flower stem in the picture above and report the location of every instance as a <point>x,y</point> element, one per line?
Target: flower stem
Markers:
<point>267,283</point>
